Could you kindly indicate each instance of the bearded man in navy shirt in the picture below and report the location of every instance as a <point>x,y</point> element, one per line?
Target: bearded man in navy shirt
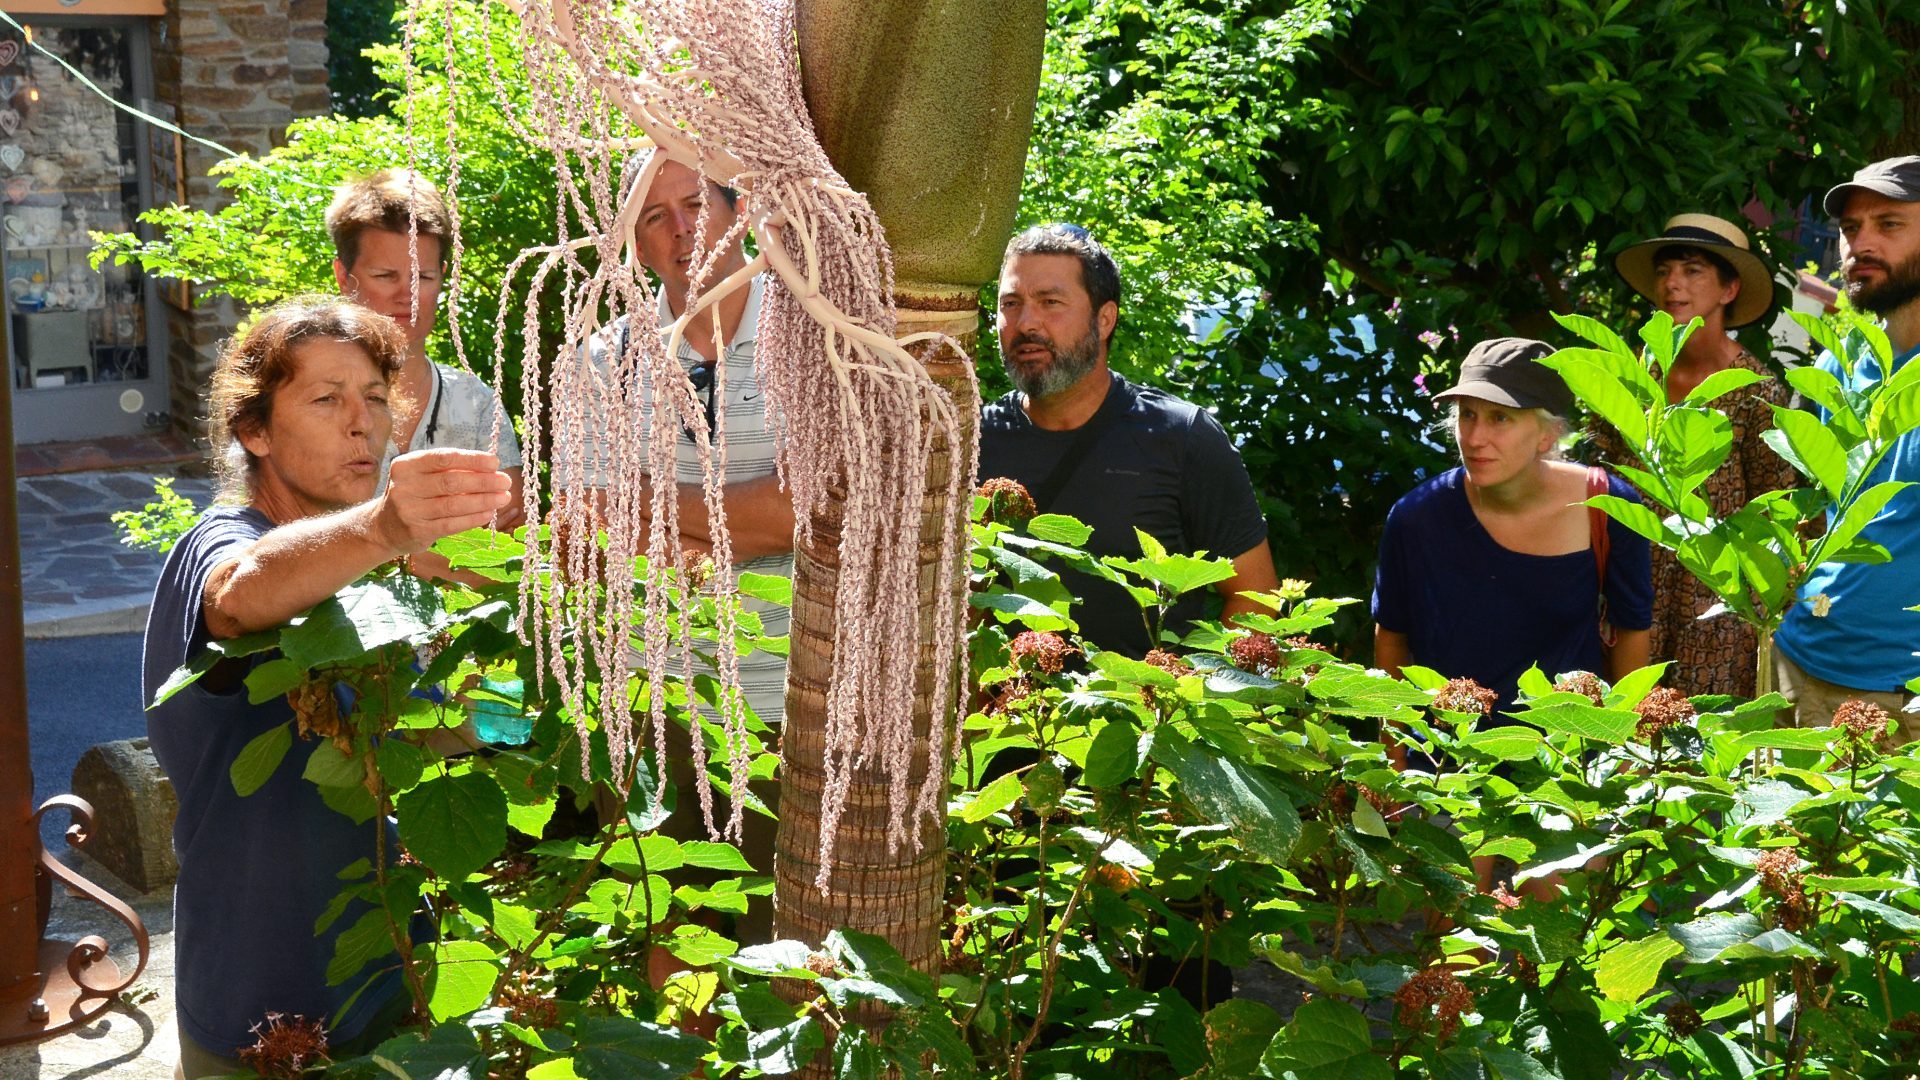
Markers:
<point>1087,442</point>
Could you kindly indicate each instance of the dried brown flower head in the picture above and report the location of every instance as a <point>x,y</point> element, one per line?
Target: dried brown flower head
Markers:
<point>1505,897</point>
<point>1437,989</point>
<point>315,710</point>
<point>1465,696</point>
<point>1168,663</point>
<point>285,1046</point>
<point>822,965</point>
<point>1683,1019</point>
<point>1255,652</point>
<point>1008,502</point>
<point>1115,877</point>
<point>1584,683</point>
<point>1864,722</point>
<point>1041,650</point>
<point>1524,969</point>
<point>527,1006</point>
<point>1660,710</point>
<point>1779,873</point>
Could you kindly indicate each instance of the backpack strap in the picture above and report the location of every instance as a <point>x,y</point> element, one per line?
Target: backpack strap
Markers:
<point>1601,544</point>
<point>1048,490</point>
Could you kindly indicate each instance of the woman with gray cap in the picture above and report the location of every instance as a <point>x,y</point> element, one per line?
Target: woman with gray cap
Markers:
<point>1700,267</point>
<point>1494,566</point>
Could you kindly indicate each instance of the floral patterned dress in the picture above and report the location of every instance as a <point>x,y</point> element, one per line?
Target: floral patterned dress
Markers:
<point>1716,656</point>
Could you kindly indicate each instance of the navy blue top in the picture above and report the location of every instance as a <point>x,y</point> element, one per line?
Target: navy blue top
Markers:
<point>1472,608</point>
<point>255,872</point>
<point>1162,465</point>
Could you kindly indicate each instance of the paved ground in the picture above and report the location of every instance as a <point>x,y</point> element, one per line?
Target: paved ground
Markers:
<point>132,1040</point>
<point>77,578</point>
<point>86,599</point>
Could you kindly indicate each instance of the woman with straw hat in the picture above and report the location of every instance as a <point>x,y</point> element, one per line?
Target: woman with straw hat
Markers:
<point>1701,266</point>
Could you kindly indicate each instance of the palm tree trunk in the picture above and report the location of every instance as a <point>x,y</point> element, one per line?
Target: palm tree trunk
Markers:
<point>927,108</point>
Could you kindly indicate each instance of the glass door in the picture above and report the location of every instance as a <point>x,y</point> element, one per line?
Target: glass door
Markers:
<point>86,347</point>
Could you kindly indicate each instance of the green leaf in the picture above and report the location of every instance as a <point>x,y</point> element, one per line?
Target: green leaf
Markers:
<point>1511,1064</point>
<point>621,1048</point>
<point>461,978</point>
<point>1597,332</point>
<point>1505,743</point>
<point>400,763</point>
<point>446,1052</point>
<point>363,617</point>
<point>455,824</point>
<point>1326,1040</point>
<point>328,767</point>
<point>1905,922</point>
<point>257,761</point>
<point>1638,517</point>
<point>1060,529</point>
<point>1237,1035</point>
<point>1261,816</point>
<point>1809,447</point>
<point>1367,820</point>
<point>997,796</point>
<point>1179,574</point>
<point>1115,756</point>
<point>1723,382</point>
<point>1861,512</point>
<point>273,678</point>
<point>1603,393</point>
<point>1321,977</point>
<point>855,1057</point>
<point>368,939</point>
<point>1626,972</point>
<point>1587,720</point>
<point>772,588</point>
<point>782,1050</point>
<point>1708,936</point>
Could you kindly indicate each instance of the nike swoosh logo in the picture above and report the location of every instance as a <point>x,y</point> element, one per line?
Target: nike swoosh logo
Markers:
<point>755,396</point>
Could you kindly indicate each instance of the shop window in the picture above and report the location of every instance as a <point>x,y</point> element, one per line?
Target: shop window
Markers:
<point>68,165</point>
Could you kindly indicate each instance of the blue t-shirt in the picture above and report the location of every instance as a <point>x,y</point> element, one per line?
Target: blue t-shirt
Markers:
<point>1474,609</point>
<point>255,872</point>
<point>1867,639</point>
<point>1161,465</point>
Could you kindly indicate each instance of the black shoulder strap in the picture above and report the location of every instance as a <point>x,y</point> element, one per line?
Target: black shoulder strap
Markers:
<point>1049,489</point>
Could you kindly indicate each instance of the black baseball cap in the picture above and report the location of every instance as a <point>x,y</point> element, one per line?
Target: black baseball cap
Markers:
<point>1507,371</point>
<point>1895,177</point>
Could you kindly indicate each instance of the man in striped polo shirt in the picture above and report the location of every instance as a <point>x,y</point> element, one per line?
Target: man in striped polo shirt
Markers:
<point>760,519</point>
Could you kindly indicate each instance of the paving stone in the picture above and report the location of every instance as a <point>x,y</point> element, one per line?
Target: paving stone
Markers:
<point>63,491</point>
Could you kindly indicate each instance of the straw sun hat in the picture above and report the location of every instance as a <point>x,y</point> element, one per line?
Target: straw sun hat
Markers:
<point>1716,236</point>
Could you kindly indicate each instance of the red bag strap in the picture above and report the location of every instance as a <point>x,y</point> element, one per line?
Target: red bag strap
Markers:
<point>1597,523</point>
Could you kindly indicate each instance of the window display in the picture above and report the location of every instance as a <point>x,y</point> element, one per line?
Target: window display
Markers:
<point>68,164</point>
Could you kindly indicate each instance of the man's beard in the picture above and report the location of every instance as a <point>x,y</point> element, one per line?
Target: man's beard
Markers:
<point>1899,287</point>
<point>1068,366</point>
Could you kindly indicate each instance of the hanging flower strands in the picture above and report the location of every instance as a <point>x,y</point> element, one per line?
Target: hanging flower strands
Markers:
<point>714,84</point>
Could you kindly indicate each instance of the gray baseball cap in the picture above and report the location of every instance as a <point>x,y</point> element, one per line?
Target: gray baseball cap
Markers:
<point>1896,178</point>
<point>1507,371</point>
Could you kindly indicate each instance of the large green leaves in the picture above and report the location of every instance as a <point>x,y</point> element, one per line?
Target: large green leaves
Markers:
<point>1326,1040</point>
<point>1260,815</point>
<point>455,823</point>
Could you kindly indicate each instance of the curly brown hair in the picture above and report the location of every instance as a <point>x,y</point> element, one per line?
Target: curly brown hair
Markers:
<point>386,200</point>
<point>260,360</point>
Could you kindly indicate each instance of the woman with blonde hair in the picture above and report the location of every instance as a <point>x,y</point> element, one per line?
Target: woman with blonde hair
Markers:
<point>1495,566</point>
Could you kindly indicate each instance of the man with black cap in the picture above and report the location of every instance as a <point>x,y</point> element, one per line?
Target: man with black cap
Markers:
<point>1851,635</point>
<point>1701,267</point>
<point>1120,457</point>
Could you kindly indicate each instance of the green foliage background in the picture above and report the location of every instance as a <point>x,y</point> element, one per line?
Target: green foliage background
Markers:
<point>1327,180</point>
<point>1339,177</point>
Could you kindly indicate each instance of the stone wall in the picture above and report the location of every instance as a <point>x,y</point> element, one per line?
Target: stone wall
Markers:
<point>238,73</point>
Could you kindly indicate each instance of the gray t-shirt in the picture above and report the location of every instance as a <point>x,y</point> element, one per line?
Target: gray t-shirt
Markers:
<point>256,872</point>
<point>459,412</point>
